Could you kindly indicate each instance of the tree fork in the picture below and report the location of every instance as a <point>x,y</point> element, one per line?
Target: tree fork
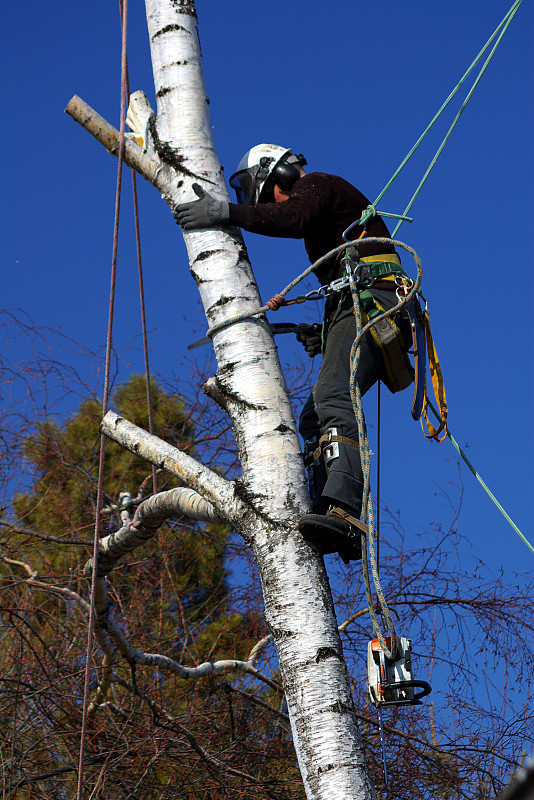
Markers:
<point>151,448</point>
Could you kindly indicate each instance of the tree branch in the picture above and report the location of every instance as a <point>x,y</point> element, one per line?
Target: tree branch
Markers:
<point>31,580</point>
<point>22,529</point>
<point>149,516</point>
<point>218,491</point>
<point>134,656</point>
<point>211,762</point>
<point>155,172</point>
<point>102,688</point>
<point>258,647</point>
<point>256,701</point>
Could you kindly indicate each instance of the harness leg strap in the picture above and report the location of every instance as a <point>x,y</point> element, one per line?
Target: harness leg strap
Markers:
<point>330,437</point>
<point>350,518</point>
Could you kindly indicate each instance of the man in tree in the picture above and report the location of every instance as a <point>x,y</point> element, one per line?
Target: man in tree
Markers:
<point>276,197</point>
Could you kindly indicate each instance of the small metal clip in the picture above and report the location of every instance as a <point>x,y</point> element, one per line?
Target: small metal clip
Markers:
<point>404,286</point>
<point>331,451</point>
<point>338,284</point>
<point>315,294</point>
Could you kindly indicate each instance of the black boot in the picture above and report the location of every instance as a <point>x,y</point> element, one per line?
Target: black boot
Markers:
<point>335,531</point>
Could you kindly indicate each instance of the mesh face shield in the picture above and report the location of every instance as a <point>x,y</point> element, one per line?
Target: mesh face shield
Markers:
<point>248,184</point>
<point>244,184</point>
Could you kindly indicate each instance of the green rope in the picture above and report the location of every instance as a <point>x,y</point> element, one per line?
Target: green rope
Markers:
<point>483,483</point>
<point>371,211</point>
<point>504,25</point>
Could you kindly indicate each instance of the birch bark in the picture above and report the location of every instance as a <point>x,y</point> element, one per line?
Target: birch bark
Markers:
<point>272,493</point>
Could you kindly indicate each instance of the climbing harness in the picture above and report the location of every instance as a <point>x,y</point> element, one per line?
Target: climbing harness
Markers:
<point>370,274</point>
<point>367,273</point>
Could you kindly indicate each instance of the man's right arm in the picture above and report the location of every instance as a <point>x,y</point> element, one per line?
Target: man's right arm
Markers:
<point>309,201</point>
<point>293,218</point>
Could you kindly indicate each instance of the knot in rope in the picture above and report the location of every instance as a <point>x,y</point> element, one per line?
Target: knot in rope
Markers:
<point>276,302</point>
<point>367,214</point>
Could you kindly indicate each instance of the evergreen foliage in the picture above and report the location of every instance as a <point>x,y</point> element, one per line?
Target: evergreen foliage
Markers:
<point>172,597</point>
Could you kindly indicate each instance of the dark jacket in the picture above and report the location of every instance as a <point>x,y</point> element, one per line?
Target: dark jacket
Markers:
<point>319,209</point>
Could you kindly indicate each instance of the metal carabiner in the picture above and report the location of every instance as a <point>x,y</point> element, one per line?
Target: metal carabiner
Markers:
<point>315,294</point>
<point>348,262</point>
<point>404,286</point>
<point>338,284</point>
<point>363,276</point>
<point>404,281</point>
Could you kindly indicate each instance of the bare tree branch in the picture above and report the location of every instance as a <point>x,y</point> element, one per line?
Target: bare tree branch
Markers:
<point>207,483</point>
<point>155,172</point>
<point>149,516</point>
<point>23,529</point>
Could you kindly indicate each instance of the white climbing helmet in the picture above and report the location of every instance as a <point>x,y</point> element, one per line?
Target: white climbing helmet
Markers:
<point>255,168</point>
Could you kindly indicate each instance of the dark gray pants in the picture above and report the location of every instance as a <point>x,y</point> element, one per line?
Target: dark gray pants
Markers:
<point>330,405</point>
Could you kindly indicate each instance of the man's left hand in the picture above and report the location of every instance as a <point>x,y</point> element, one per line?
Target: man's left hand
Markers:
<point>206,212</point>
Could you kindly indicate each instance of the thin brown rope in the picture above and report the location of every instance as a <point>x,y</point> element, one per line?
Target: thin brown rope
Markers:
<point>142,298</point>
<point>105,397</point>
<point>143,323</point>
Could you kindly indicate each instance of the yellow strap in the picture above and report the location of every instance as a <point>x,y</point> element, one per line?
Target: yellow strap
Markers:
<point>389,258</point>
<point>438,384</point>
<point>438,387</point>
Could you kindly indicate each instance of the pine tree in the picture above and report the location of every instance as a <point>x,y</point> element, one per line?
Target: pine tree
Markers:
<point>173,597</point>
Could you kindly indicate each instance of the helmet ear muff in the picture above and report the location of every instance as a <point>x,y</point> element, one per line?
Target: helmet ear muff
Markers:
<point>285,175</point>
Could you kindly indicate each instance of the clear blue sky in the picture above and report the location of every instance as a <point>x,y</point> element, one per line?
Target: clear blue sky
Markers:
<point>352,86</point>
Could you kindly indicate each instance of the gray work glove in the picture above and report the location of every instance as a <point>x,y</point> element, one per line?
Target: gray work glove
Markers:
<point>206,212</point>
<point>311,338</point>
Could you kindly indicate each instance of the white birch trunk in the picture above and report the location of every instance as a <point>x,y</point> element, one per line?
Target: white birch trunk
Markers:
<point>249,384</point>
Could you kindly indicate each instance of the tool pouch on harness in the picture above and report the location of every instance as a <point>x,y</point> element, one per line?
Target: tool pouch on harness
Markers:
<point>316,470</point>
<point>398,371</point>
<point>386,333</point>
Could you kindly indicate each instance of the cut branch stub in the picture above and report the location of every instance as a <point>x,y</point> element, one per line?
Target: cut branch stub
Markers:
<point>148,167</point>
